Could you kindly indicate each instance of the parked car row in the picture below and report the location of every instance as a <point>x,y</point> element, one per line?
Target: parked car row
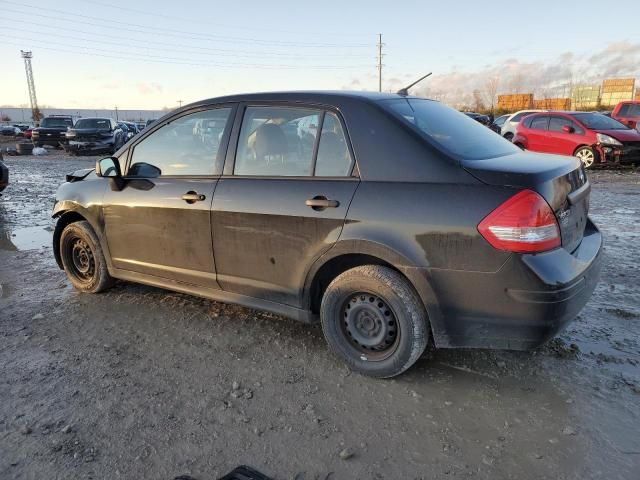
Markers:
<point>83,135</point>
<point>4,174</point>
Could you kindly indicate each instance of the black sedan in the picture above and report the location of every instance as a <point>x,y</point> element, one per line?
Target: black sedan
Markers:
<point>392,220</point>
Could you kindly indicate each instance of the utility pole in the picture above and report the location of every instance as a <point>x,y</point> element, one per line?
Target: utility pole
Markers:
<point>116,113</point>
<point>380,55</point>
<point>35,111</point>
<point>179,103</point>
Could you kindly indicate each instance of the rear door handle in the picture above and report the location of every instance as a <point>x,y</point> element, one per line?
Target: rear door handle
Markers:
<point>320,203</point>
<point>193,197</point>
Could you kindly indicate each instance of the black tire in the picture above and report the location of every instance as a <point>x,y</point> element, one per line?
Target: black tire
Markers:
<point>374,320</point>
<point>82,258</point>
<point>508,136</point>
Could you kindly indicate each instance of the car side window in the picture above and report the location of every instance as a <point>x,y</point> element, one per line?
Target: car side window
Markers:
<point>539,123</point>
<point>277,141</point>
<point>624,109</point>
<point>334,159</point>
<point>186,146</point>
<point>556,124</point>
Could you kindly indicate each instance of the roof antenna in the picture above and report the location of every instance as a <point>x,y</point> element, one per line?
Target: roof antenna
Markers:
<point>405,91</point>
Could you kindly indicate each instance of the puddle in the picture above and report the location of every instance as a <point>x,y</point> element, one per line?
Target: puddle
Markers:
<point>27,238</point>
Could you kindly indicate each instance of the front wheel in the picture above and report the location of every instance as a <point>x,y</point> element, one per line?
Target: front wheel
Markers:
<point>374,320</point>
<point>82,258</point>
<point>586,156</point>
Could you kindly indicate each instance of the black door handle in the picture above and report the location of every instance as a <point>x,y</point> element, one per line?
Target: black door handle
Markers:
<point>193,197</point>
<point>320,203</point>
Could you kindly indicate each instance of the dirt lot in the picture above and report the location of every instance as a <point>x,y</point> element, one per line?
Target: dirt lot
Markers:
<point>144,383</point>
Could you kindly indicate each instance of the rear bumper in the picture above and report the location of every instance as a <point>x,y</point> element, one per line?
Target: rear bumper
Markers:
<point>522,305</point>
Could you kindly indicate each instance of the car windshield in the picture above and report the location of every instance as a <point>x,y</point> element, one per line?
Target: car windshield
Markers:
<point>451,130</point>
<point>56,122</point>
<point>500,120</point>
<point>97,123</point>
<point>597,121</point>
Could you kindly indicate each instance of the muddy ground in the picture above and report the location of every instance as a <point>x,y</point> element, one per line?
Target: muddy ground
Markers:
<point>140,382</point>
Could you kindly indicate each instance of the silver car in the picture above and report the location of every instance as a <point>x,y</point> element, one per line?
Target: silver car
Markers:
<point>508,129</point>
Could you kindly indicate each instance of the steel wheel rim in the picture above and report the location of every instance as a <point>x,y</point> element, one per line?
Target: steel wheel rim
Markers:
<point>82,260</point>
<point>586,156</point>
<point>369,326</point>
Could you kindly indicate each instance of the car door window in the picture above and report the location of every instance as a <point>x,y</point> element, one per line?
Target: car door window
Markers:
<point>334,159</point>
<point>539,123</point>
<point>186,146</point>
<point>277,141</point>
<point>556,124</point>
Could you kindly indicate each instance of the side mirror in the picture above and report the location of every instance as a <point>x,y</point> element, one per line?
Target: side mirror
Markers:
<point>568,129</point>
<point>110,168</point>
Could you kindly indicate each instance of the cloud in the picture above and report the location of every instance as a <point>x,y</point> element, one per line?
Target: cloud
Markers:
<point>149,88</point>
<point>543,78</point>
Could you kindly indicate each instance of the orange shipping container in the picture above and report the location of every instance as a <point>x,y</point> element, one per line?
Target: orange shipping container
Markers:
<point>515,102</point>
<point>553,104</point>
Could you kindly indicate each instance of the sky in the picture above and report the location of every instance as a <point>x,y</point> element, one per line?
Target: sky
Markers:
<point>155,54</point>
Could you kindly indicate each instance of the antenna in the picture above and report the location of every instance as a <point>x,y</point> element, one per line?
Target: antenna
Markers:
<point>405,91</point>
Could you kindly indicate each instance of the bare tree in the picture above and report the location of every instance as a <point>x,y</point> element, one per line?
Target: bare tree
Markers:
<point>491,91</point>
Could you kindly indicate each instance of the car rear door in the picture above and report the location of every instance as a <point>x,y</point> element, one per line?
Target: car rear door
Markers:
<point>561,142</point>
<point>159,224</point>
<point>282,200</point>
<point>537,133</point>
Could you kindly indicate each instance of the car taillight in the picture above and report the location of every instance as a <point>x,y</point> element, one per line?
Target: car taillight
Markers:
<point>524,223</point>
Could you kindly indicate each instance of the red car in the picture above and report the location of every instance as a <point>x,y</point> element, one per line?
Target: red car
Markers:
<point>592,137</point>
<point>628,113</point>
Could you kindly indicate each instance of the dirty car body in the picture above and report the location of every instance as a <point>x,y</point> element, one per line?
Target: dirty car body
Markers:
<point>494,243</point>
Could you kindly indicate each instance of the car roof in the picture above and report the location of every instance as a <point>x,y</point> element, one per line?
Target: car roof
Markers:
<point>314,96</point>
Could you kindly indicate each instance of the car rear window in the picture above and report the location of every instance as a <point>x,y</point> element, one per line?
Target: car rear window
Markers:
<point>452,131</point>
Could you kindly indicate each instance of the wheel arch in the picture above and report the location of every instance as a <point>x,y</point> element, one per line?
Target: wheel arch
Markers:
<point>353,253</point>
<point>64,218</point>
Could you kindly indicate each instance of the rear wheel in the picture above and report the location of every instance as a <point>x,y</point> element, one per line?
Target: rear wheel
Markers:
<point>82,258</point>
<point>586,156</point>
<point>374,320</point>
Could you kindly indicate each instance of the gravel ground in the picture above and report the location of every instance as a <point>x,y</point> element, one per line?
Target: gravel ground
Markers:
<point>140,382</point>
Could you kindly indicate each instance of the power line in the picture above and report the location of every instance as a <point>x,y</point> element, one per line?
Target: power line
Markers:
<point>147,58</point>
<point>173,32</point>
<point>232,27</point>
<point>178,60</point>
<point>198,50</point>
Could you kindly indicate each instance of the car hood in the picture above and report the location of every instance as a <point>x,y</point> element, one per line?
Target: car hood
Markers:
<point>89,131</point>
<point>622,135</point>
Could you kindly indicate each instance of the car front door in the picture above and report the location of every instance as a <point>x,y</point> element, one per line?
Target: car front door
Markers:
<point>159,223</point>
<point>561,141</point>
<point>282,201</point>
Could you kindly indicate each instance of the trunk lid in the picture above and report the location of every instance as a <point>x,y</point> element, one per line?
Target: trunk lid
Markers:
<point>560,180</point>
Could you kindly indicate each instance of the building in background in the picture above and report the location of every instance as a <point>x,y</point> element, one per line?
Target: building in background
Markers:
<point>585,97</point>
<point>617,90</point>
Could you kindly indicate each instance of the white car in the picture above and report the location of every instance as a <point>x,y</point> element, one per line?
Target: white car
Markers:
<point>508,129</point>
